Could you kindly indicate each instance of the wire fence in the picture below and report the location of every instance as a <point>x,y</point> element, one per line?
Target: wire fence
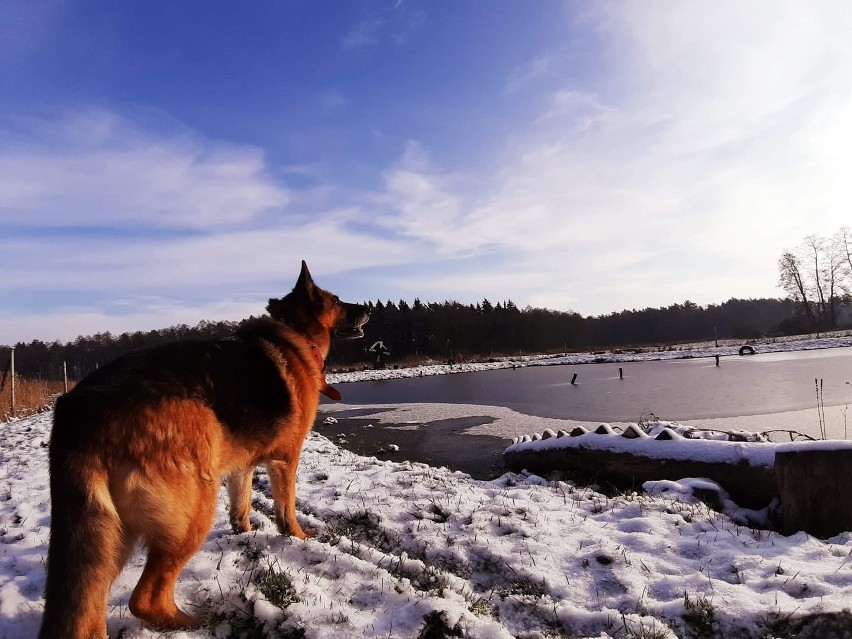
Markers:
<point>20,397</point>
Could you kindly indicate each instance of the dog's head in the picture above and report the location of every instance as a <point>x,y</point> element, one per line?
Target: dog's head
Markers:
<point>317,313</point>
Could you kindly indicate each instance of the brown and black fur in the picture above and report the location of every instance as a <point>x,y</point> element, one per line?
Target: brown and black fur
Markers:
<point>139,448</point>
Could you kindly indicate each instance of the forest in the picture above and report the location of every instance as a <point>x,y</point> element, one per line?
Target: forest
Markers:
<point>451,330</point>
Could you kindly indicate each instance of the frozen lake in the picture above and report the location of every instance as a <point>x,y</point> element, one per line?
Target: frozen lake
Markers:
<point>773,390</point>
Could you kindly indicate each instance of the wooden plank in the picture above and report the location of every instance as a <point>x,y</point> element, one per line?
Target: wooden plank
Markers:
<point>816,491</point>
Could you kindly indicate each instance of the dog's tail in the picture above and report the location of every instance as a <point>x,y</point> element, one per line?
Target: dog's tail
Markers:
<point>86,539</point>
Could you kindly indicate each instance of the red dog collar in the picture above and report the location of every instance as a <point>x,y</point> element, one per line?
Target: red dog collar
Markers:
<point>327,390</point>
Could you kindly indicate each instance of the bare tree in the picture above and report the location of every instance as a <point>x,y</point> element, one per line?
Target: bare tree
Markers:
<point>814,275</point>
<point>834,268</point>
<point>792,281</point>
<point>826,263</point>
<point>813,246</point>
<point>843,238</point>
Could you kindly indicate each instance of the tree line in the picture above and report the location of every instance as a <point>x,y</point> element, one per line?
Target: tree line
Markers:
<point>817,275</point>
<point>452,331</point>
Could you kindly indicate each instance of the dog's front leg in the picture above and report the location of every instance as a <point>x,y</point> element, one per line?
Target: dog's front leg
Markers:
<point>239,494</point>
<point>282,478</point>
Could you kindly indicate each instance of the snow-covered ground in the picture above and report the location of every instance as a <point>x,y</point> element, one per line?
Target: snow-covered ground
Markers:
<point>406,551</point>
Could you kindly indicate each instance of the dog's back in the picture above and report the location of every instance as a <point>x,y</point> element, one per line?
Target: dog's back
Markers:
<point>235,378</point>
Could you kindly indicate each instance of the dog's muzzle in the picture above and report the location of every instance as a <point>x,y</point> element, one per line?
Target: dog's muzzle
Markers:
<point>355,328</point>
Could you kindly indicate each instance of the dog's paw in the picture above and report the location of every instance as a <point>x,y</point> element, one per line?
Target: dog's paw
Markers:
<point>188,622</point>
<point>304,534</point>
<point>165,617</point>
<point>300,533</point>
<point>241,526</point>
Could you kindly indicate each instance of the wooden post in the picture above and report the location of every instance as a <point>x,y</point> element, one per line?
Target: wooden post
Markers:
<point>717,360</point>
<point>13,381</point>
<point>620,373</point>
<point>574,379</point>
<point>65,374</point>
<point>814,486</point>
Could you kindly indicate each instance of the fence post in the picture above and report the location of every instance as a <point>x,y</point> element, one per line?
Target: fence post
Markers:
<point>13,381</point>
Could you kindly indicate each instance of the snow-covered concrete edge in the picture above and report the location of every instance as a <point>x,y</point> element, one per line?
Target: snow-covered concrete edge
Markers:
<point>707,447</point>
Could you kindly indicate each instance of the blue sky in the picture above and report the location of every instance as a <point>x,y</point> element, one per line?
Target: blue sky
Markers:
<point>165,163</point>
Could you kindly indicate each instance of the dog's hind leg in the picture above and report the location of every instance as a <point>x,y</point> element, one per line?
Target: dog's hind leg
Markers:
<point>239,495</point>
<point>171,542</point>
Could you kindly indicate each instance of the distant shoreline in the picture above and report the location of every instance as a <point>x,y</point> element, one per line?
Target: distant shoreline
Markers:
<point>726,348</point>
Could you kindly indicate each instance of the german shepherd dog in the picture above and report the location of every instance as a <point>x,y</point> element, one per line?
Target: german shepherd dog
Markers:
<point>139,448</point>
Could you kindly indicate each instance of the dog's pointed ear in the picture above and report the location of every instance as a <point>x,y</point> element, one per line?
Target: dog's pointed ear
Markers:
<point>305,282</point>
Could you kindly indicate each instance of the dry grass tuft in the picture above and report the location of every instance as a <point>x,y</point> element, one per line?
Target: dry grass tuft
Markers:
<point>31,396</point>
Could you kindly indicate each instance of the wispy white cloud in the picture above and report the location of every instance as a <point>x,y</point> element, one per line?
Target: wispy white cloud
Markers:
<point>583,109</point>
<point>100,169</point>
<point>529,73</point>
<point>389,24</point>
<point>364,34</point>
<point>228,261</point>
<point>420,202</point>
<point>332,100</point>
<point>138,314</point>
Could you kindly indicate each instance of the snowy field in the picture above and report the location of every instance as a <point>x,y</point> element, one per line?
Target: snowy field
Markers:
<point>410,551</point>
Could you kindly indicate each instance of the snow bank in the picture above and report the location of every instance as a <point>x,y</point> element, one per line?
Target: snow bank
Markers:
<point>707,447</point>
